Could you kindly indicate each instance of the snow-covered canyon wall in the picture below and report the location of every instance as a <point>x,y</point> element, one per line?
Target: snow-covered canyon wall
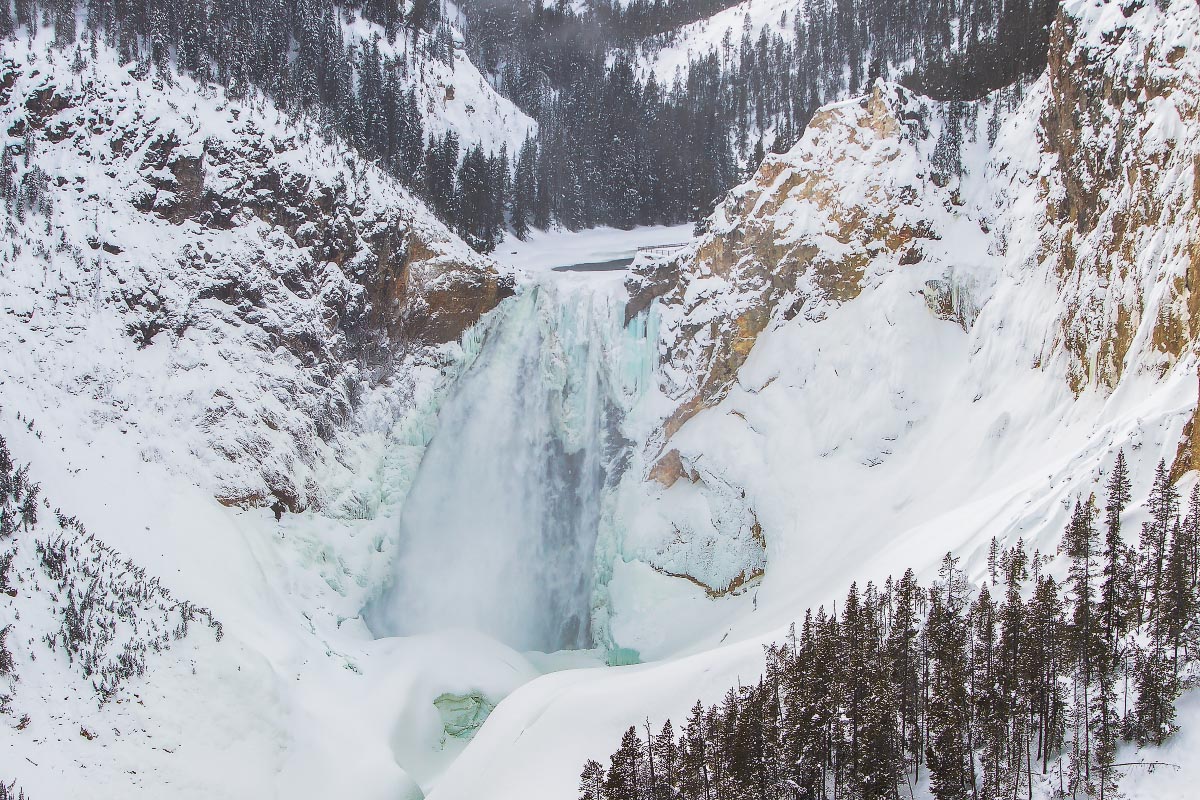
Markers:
<point>924,326</point>
<point>206,309</point>
<point>191,262</point>
<point>1046,234</point>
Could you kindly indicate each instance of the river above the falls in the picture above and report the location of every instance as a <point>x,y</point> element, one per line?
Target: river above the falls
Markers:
<point>597,256</point>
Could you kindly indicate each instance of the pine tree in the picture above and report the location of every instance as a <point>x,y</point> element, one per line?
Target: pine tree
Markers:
<point>524,192</point>
<point>1191,530</point>
<point>592,781</point>
<point>1015,690</point>
<point>989,713</point>
<point>693,755</point>
<point>666,759</point>
<point>804,724</point>
<point>1105,724</point>
<point>1157,688</point>
<point>1163,505</point>
<point>1043,665</point>
<point>1179,603</point>
<point>8,25</point>
<point>947,751</point>
<point>621,783</point>
<point>1081,545</point>
<point>844,700</point>
<point>903,654</point>
<point>1116,590</point>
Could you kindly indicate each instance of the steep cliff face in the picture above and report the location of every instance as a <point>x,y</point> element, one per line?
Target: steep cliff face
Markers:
<point>199,299</point>
<point>858,199</point>
<point>1122,232</point>
<point>160,232</point>
<point>805,234</point>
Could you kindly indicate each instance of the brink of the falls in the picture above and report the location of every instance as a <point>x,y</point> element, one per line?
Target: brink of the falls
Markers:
<point>498,531</point>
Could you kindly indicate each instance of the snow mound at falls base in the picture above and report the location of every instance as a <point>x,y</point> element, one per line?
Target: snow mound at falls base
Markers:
<point>498,532</point>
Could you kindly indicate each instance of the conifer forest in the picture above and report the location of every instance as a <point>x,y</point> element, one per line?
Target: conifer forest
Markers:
<point>650,152</point>
<point>988,691</point>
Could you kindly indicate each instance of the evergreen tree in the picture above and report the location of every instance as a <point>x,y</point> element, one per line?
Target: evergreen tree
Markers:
<point>693,756</point>
<point>1179,602</point>
<point>8,24</point>
<point>666,759</point>
<point>904,657</point>
<point>1157,688</point>
<point>621,783</point>
<point>1014,687</point>
<point>1117,589</point>
<point>524,195</point>
<point>592,781</point>
<point>1086,636</point>
<point>947,750</point>
<point>847,706</point>
<point>1044,665</point>
<point>1163,505</point>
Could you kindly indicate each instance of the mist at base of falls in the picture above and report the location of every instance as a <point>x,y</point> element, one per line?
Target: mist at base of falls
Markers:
<point>498,532</point>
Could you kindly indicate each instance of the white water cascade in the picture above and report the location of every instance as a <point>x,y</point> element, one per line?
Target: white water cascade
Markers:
<point>498,532</point>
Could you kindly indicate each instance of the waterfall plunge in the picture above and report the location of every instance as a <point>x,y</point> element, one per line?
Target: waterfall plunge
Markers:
<point>498,532</point>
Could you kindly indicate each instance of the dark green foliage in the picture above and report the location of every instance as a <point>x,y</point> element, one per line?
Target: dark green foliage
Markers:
<point>984,697</point>
<point>619,151</point>
<point>1118,587</point>
<point>6,659</point>
<point>611,148</point>
<point>1153,719</point>
<point>18,496</point>
<point>947,748</point>
<point>1163,506</point>
<point>8,791</point>
<point>621,782</point>
<point>591,781</point>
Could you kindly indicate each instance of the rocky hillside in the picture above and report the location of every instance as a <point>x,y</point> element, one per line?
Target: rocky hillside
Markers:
<point>926,325</point>
<point>161,235</point>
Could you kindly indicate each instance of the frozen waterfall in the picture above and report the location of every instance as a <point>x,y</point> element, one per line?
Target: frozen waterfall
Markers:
<point>498,532</point>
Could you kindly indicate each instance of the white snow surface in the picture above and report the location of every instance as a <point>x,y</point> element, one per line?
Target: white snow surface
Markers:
<point>692,41</point>
<point>544,250</point>
<point>542,256</point>
<point>455,96</point>
<point>138,441</point>
<point>870,434</point>
<point>866,436</point>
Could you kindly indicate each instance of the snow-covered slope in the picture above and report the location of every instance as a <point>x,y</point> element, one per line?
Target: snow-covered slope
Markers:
<point>451,95</point>
<point>860,272</point>
<point>868,360</point>
<point>697,39</point>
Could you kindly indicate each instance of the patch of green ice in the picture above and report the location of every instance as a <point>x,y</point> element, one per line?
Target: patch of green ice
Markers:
<point>463,714</point>
<point>622,657</point>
